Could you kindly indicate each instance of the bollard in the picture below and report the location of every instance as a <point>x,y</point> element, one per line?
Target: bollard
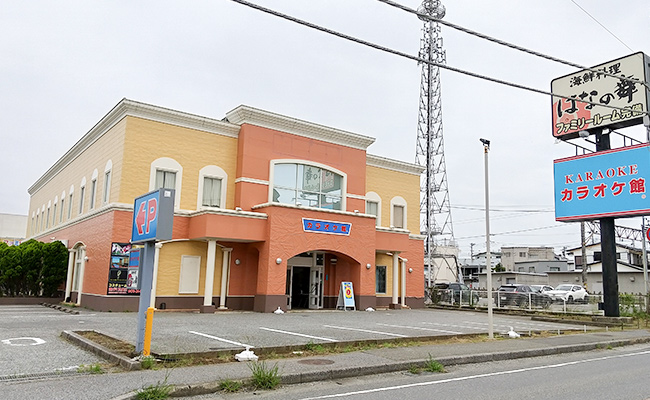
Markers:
<point>146,350</point>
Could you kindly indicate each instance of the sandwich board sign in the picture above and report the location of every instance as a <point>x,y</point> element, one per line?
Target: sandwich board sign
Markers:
<point>346,297</point>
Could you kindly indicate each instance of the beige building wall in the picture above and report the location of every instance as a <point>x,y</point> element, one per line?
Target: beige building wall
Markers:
<point>169,269</point>
<point>387,261</point>
<point>71,172</point>
<point>148,140</point>
<point>388,184</point>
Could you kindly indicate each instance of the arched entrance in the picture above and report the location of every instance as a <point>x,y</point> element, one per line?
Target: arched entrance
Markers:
<point>304,288</point>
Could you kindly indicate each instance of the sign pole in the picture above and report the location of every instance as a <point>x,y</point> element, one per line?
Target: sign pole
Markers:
<point>608,248</point>
<point>146,279</point>
<point>645,234</point>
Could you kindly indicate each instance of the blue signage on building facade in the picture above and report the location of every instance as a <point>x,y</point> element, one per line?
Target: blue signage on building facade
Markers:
<point>315,225</point>
<point>604,184</point>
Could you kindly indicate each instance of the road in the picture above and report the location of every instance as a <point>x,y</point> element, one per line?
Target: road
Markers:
<point>612,374</point>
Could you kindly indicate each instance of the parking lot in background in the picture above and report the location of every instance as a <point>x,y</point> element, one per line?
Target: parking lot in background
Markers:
<point>30,341</point>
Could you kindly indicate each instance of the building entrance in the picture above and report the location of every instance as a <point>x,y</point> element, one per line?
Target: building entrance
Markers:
<point>305,281</point>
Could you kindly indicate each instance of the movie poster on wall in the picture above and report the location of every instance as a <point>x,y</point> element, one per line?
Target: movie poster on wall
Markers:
<point>122,264</point>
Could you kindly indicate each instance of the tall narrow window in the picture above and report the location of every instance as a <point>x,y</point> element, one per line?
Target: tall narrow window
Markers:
<point>398,216</point>
<point>211,192</point>
<point>107,187</point>
<point>70,198</point>
<point>47,221</point>
<point>36,227</point>
<point>93,193</point>
<point>372,208</point>
<point>81,199</point>
<point>62,207</point>
<point>165,179</point>
<point>54,213</point>
<point>380,279</point>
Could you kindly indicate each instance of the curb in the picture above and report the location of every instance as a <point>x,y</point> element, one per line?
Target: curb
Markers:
<point>60,308</point>
<point>339,373</point>
<point>101,351</point>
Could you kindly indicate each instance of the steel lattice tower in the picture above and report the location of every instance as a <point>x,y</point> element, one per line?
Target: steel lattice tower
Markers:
<point>435,209</point>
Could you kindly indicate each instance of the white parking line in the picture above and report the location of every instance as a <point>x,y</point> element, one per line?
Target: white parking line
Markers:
<point>298,334</point>
<point>222,339</point>
<point>421,329</point>
<point>364,330</point>
<point>453,326</point>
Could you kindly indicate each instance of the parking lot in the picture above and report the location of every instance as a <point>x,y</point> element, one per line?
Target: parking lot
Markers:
<point>30,341</point>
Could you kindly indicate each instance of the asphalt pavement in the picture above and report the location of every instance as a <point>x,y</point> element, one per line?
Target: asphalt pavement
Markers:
<point>25,366</point>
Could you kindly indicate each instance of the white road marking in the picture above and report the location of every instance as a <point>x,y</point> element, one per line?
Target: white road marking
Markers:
<point>221,339</point>
<point>298,334</point>
<point>465,378</point>
<point>35,341</point>
<point>454,326</point>
<point>365,330</point>
<point>421,329</point>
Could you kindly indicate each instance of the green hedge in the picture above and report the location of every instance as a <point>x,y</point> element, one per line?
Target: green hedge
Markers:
<point>32,269</point>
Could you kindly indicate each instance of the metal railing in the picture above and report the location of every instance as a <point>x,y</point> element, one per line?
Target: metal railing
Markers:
<point>629,304</point>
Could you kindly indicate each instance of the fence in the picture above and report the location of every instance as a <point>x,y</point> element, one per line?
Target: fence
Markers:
<point>629,304</point>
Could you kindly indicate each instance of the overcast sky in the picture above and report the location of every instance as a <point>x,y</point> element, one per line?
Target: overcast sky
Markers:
<point>65,64</point>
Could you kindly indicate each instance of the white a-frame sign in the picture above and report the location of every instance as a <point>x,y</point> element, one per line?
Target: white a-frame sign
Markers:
<point>346,297</point>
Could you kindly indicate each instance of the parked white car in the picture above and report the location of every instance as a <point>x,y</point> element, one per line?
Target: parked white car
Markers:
<point>569,293</point>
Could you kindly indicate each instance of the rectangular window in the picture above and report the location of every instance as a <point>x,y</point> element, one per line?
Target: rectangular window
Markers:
<point>93,192</point>
<point>47,221</point>
<point>522,254</point>
<point>81,199</point>
<point>62,208</point>
<point>380,279</point>
<point>107,187</point>
<point>36,227</point>
<point>398,216</point>
<point>211,192</point>
<point>54,214</point>
<point>190,271</point>
<point>165,179</point>
<point>597,256</point>
<point>70,206</point>
<point>372,208</point>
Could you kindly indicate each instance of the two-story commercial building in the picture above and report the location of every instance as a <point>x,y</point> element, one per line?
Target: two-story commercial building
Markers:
<point>270,211</point>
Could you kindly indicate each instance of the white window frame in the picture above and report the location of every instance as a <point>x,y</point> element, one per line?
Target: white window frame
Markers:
<point>190,273</point>
<point>70,201</point>
<point>170,165</point>
<point>214,172</point>
<point>82,194</point>
<point>47,218</point>
<point>93,189</point>
<point>374,197</point>
<point>54,204</point>
<point>62,207</point>
<point>107,182</point>
<point>398,201</point>
<point>344,177</point>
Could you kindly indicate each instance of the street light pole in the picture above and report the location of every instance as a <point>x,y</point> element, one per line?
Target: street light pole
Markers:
<point>645,263</point>
<point>486,148</point>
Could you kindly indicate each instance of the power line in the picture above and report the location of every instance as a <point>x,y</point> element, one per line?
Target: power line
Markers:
<point>512,46</point>
<point>425,61</point>
<point>602,26</point>
<point>513,232</point>
<point>503,210</point>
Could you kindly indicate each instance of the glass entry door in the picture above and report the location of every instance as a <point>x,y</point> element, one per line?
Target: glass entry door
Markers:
<point>316,287</point>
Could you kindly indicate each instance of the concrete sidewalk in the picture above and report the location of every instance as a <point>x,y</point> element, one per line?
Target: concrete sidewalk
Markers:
<point>205,379</point>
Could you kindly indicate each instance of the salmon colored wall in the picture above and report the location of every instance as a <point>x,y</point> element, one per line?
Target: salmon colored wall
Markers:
<point>243,277</point>
<point>415,257</point>
<point>232,227</point>
<point>258,146</point>
<point>287,239</point>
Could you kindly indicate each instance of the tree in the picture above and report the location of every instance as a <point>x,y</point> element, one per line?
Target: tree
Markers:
<point>55,268</point>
